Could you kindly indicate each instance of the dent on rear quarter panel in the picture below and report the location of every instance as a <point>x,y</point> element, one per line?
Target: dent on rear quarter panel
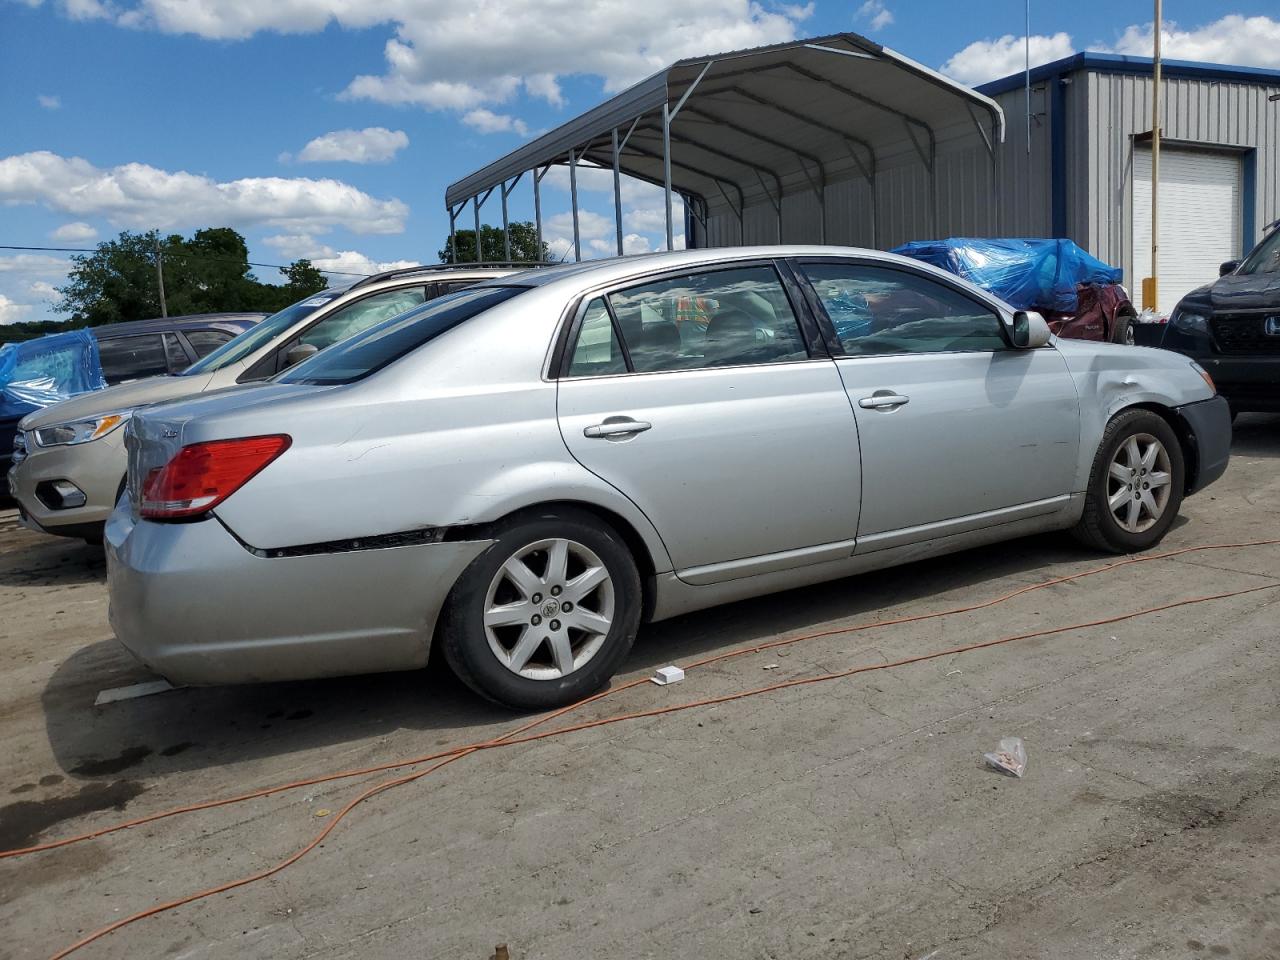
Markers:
<point>1111,378</point>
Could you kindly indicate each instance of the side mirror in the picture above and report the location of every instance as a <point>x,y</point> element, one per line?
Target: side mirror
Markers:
<point>1228,267</point>
<point>1029,330</point>
<point>299,352</point>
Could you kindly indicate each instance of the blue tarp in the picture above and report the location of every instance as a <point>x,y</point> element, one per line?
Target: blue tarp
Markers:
<point>1026,274</point>
<point>40,372</point>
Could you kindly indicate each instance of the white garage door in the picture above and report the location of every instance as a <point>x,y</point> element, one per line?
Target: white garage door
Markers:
<point>1199,219</point>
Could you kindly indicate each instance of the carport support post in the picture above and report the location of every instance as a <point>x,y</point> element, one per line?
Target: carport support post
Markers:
<point>506,223</point>
<point>453,234</point>
<point>475,203</point>
<point>617,190</point>
<point>666,170</point>
<point>573,201</point>
<point>537,203</point>
<point>506,227</point>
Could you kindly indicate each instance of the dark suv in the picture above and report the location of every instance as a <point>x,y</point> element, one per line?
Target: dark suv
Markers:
<point>133,350</point>
<point>1232,328</point>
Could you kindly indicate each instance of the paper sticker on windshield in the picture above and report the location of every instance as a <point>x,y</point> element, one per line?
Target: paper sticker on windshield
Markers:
<point>316,301</point>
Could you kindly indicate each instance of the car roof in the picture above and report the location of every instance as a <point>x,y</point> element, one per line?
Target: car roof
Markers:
<point>589,272</point>
<point>485,269</point>
<point>191,321</point>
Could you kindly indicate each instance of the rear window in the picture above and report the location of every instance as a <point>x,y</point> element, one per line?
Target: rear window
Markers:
<point>132,358</point>
<point>380,345</point>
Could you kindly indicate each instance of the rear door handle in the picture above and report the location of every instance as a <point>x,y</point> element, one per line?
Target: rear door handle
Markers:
<point>616,428</point>
<point>883,400</point>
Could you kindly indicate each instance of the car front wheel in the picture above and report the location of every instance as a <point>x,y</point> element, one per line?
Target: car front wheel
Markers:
<point>1135,488</point>
<point>546,615</point>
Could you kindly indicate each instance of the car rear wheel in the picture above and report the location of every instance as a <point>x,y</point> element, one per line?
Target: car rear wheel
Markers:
<point>1135,488</point>
<point>1123,332</point>
<point>546,615</point>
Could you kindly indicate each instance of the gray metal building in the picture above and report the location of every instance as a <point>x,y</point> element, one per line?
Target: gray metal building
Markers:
<point>1088,173</point>
<point>840,140</point>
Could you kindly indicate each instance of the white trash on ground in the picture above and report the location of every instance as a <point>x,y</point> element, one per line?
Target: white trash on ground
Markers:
<point>665,675</point>
<point>1010,757</point>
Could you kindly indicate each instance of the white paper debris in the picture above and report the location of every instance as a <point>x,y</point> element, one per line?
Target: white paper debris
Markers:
<point>134,691</point>
<point>665,675</point>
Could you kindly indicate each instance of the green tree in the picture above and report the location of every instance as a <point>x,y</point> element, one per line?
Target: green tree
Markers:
<point>524,244</point>
<point>207,273</point>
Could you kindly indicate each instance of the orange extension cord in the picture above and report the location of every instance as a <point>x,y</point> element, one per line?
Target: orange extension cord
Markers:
<point>521,735</point>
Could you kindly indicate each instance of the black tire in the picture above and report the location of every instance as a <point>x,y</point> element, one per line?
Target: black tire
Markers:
<point>1099,527</point>
<point>1123,331</point>
<point>463,637</point>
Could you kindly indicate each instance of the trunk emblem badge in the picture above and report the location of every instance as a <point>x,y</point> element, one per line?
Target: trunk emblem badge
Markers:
<point>170,434</point>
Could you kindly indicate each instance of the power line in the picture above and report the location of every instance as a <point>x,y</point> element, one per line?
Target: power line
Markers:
<point>189,256</point>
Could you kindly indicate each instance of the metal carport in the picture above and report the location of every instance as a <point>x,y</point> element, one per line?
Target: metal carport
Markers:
<point>755,141</point>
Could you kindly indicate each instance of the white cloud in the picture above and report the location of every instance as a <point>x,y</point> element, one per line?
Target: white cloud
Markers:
<point>546,87</point>
<point>370,145</point>
<point>43,290</point>
<point>36,264</point>
<point>985,60</point>
<point>297,246</point>
<point>49,101</point>
<point>11,312</point>
<point>76,232</point>
<point>453,56</point>
<point>87,9</point>
<point>634,243</point>
<point>142,196</point>
<point>486,121</point>
<point>647,232</point>
<point>1234,39</point>
<point>877,15</point>
<point>1251,41</point>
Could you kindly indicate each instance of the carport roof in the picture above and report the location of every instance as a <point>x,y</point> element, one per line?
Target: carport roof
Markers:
<point>750,121</point>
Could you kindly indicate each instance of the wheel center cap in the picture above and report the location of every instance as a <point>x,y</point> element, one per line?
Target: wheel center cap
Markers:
<point>551,608</point>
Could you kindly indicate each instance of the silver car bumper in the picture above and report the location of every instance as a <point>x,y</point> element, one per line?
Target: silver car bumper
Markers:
<point>193,605</point>
<point>97,468</point>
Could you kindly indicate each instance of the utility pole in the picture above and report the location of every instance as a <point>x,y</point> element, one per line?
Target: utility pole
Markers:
<point>164,310</point>
<point>1151,287</point>
<point>1027,95</point>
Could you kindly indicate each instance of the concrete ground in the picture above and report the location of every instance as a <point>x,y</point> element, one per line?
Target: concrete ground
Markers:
<point>846,819</point>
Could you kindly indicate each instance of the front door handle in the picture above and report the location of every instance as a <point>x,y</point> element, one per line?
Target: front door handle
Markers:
<point>616,428</point>
<point>883,400</point>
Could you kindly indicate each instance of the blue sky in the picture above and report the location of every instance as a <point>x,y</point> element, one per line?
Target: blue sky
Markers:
<point>330,128</point>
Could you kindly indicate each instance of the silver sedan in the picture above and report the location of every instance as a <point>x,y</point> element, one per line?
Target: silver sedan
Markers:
<point>517,475</point>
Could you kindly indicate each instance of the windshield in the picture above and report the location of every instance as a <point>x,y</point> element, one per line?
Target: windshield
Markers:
<point>247,343</point>
<point>1266,257</point>
<point>390,340</point>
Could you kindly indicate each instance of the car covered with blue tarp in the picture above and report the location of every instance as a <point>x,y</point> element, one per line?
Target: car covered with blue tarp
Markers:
<point>1079,295</point>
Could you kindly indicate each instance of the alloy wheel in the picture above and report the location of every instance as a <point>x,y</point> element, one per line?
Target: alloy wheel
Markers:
<point>1139,482</point>
<point>549,609</point>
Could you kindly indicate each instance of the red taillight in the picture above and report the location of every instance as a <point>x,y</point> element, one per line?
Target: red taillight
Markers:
<point>202,475</point>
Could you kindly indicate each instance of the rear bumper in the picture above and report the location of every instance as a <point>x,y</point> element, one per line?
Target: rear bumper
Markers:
<point>191,603</point>
<point>1209,426</point>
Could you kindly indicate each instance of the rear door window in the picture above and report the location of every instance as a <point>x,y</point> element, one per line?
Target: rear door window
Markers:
<point>343,323</point>
<point>362,315</point>
<point>175,353</point>
<point>717,318</point>
<point>204,342</point>
<point>132,358</point>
